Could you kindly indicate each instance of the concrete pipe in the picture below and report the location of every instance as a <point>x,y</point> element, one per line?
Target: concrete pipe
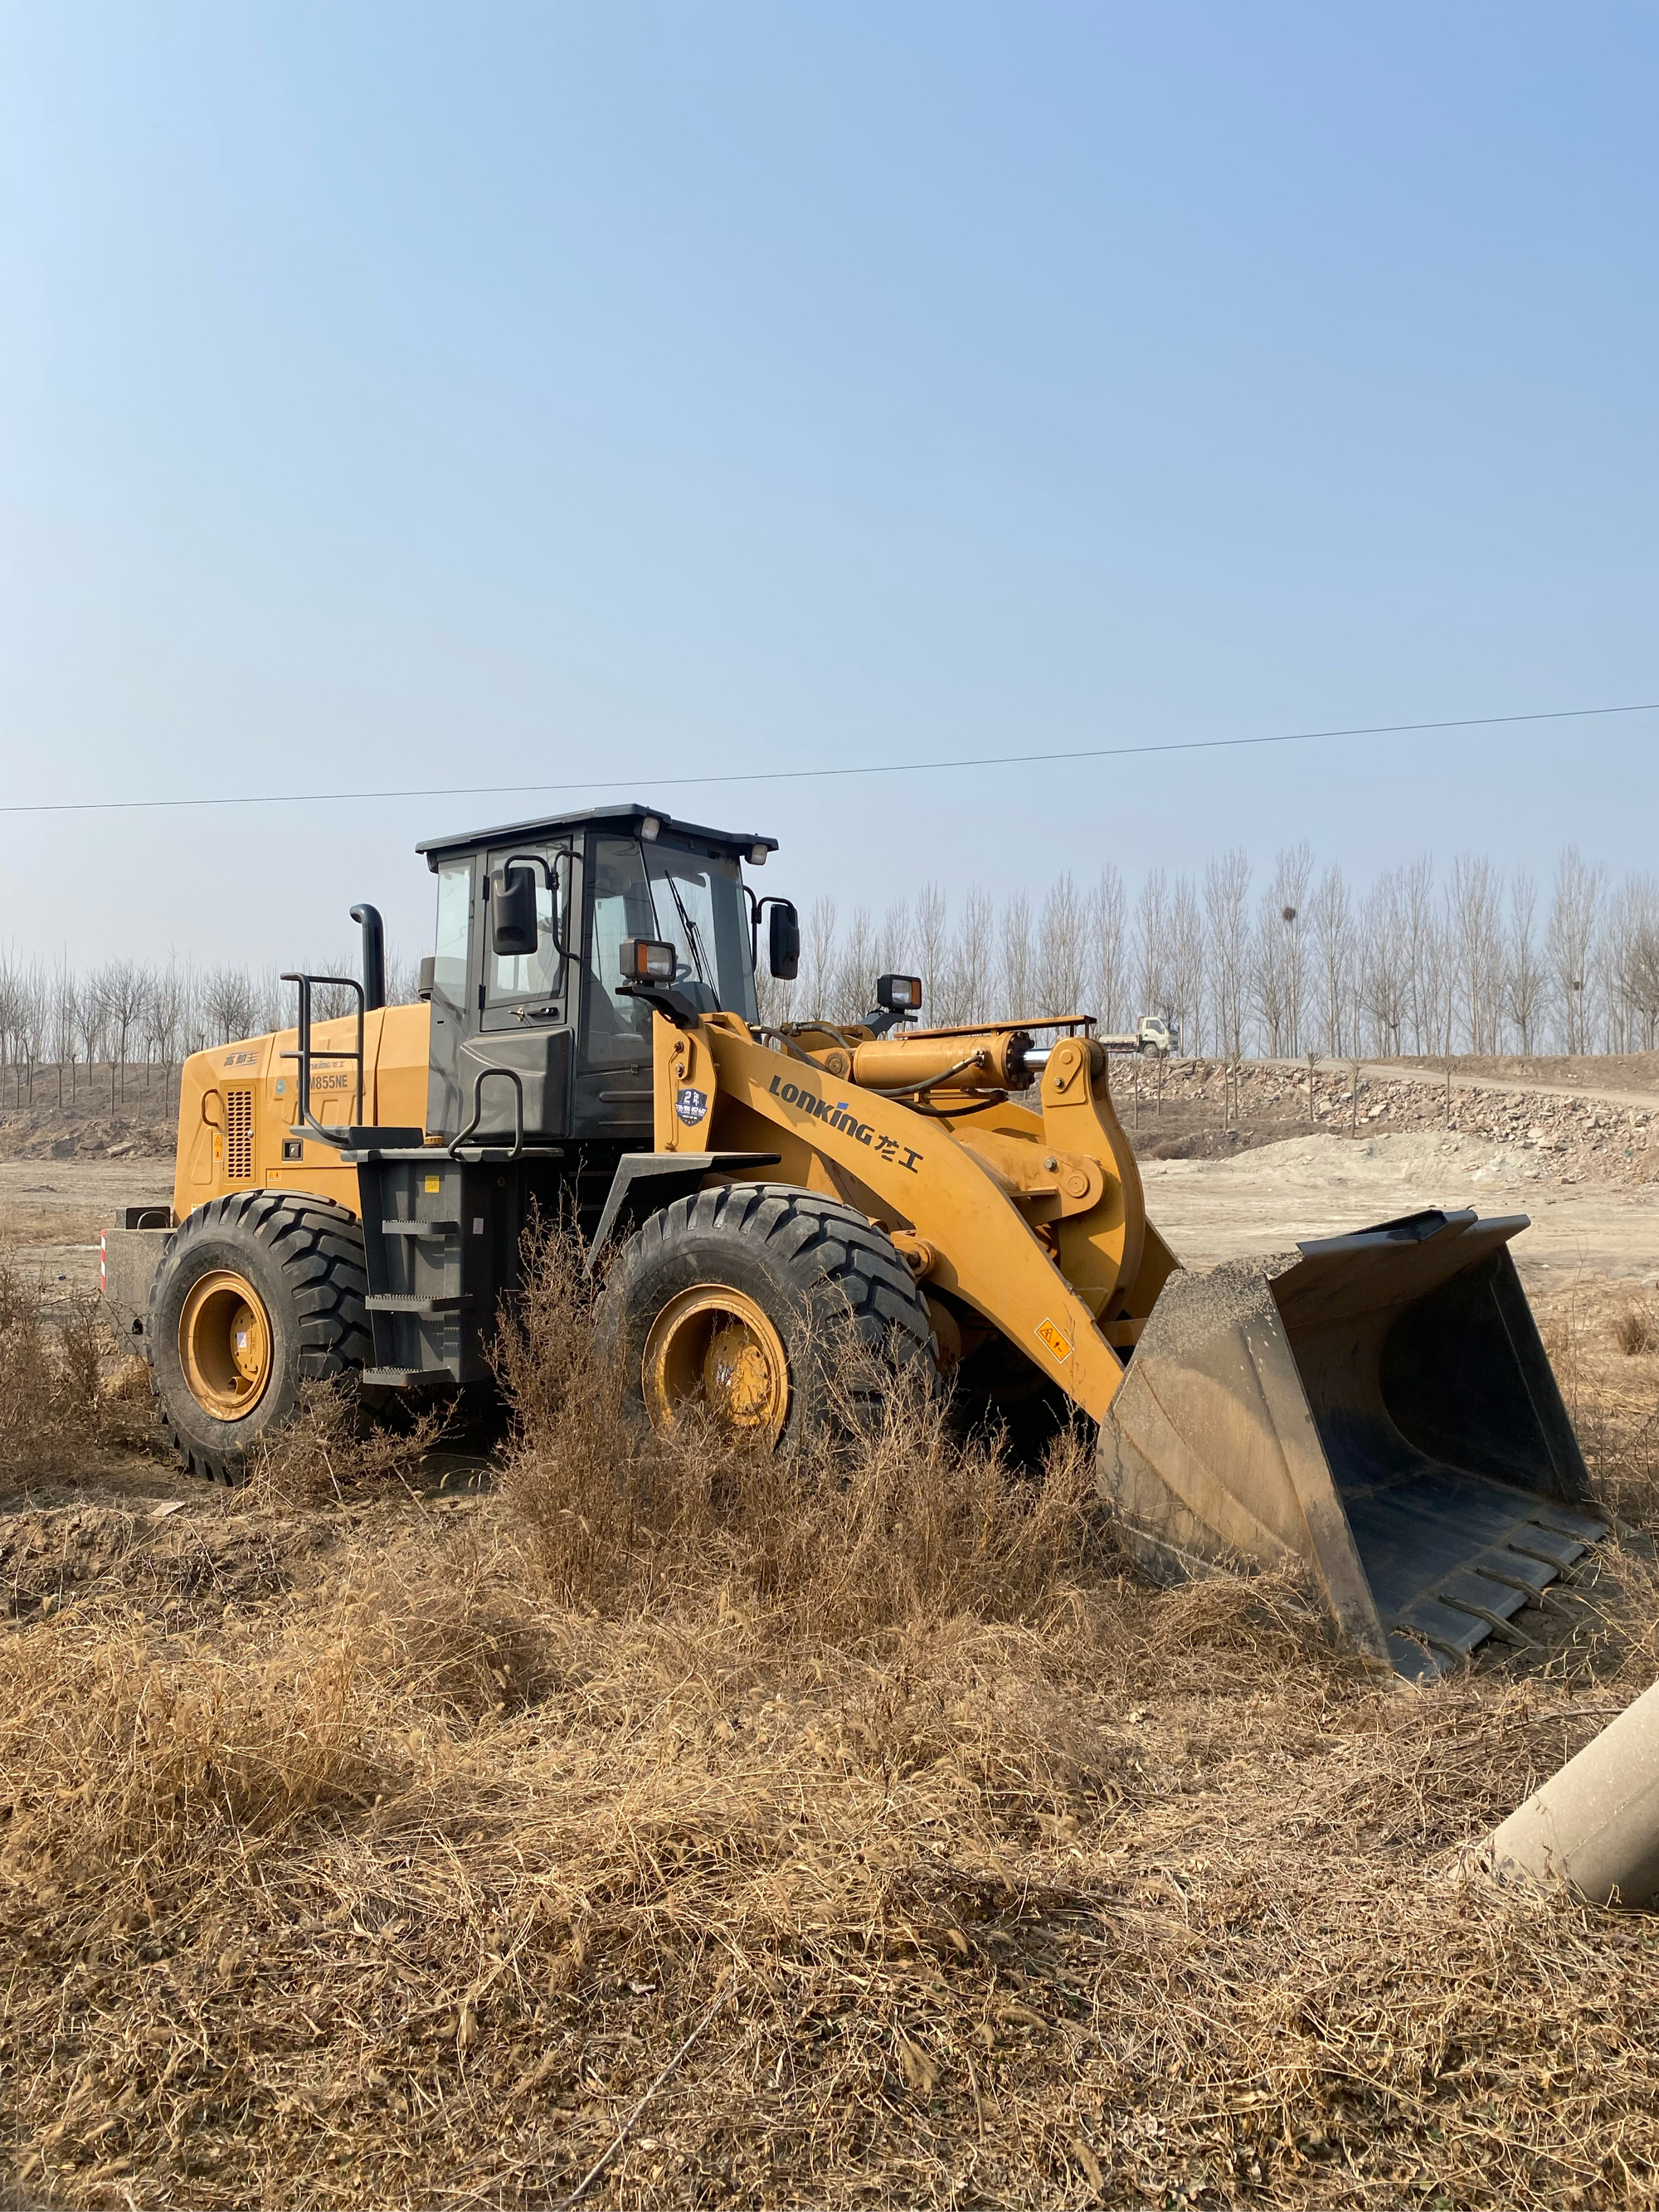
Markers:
<point>1595,1825</point>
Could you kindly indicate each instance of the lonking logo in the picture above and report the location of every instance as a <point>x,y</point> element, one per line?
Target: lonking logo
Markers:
<point>840,1117</point>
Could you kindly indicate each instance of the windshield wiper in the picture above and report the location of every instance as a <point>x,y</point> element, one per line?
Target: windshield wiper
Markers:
<point>698,957</point>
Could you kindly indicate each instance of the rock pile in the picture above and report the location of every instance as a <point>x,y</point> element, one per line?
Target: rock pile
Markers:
<point>1563,1139</point>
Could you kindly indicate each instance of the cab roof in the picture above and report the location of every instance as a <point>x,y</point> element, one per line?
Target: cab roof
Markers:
<point>626,819</point>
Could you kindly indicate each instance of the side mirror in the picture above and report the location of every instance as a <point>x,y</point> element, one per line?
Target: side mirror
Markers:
<point>783,942</point>
<point>512,912</point>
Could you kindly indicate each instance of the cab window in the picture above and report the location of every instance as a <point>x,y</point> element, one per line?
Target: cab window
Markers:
<point>536,975</point>
<point>617,1028</point>
<point>694,901</point>
<point>455,930</point>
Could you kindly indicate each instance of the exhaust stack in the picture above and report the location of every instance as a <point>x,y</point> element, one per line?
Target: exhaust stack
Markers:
<point>373,956</point>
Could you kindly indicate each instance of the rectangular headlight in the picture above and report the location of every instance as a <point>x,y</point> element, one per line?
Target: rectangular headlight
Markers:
<point>900,994</point>
<point>646,961</point>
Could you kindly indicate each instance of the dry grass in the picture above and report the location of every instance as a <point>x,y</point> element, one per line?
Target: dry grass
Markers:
<point>1634,1331</point>
<point>35,1225</point>
<point>365,1854</point>
<point>901,1521</point>
<point>52,1369</point>
<point>330,1451</point>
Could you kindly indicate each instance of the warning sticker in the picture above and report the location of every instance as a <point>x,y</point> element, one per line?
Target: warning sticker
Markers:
<point>1058,1344</point>
<point>433,1183</point>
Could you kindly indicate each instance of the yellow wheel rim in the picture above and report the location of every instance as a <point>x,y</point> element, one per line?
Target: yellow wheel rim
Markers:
<point>224,1345</point>
<point>715,1347</point>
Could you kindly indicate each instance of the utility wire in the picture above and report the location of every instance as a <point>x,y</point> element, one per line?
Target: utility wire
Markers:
<point>818,775</point>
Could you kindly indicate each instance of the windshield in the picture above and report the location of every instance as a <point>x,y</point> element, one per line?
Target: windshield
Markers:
<point>688,899</point>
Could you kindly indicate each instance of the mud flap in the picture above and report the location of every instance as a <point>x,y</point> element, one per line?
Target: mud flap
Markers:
<point>1377,1408</point>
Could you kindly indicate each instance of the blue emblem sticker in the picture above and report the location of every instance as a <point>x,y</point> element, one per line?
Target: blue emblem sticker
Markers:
<point>691,1105</point>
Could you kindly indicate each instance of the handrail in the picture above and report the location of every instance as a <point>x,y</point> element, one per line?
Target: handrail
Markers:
<point>306,1123</point>
<point>478,1081</point>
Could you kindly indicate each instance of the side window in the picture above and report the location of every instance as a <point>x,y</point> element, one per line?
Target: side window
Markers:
<point>534,975</point>
<point>454,929</point>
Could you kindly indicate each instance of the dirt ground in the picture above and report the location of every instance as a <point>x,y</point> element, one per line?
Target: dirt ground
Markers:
<point>1271,1197</point>
<point>53,1211</point>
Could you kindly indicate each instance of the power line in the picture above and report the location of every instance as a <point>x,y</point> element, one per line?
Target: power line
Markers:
<point>818,774</point>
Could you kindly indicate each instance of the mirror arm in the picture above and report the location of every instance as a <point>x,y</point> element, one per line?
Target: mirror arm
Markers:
<point>663,999</point>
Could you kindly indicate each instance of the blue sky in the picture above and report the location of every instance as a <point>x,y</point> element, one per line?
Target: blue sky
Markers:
<point>408,394</point>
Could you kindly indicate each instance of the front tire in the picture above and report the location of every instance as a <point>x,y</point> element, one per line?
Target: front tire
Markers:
<point>256,1294</point>
<point>741,1299</point>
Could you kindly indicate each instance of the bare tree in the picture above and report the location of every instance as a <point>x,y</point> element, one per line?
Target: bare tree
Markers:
<point>931,939</point>
<point>229,998</point>
<point>1226,893</point>
<point>1018,981</point>
<point>1108,940</point>
<point>817,977</point>
<point>1152,945</point>
<point>1525,979</point>
<point>1187,963</point>
<point>855,971</point>
<point>1276,969</point>
<point>972,964</point>
<point>1422,948</point>
<point>892,944</point>
<point>1330,925</point>
<point>1062,950</point>
<point>1385,979</point>
<point>92,1017</point>
<point>119,986</point>
<point>163,1013</point>
<point>11,984</point>
<point>1291,874</point>
<point>1629,935</point>
<point>32,1014</point>
<point>1575,911</point>
<point>64,1026</point>
<point>1475,912</point>
<point>1643,972</point>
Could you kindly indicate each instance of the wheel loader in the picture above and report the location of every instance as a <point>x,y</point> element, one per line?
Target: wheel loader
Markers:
<point>1375,1411</point>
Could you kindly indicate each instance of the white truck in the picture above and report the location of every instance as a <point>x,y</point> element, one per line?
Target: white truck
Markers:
<point>1154,1035</point>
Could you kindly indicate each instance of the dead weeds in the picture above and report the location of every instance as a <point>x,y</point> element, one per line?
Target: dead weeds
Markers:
<point>866,1818</point>
<point>51,1376</point>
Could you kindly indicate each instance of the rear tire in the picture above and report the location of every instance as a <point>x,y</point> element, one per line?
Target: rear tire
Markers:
<point>742,1298</point>
<point>256,1294</point>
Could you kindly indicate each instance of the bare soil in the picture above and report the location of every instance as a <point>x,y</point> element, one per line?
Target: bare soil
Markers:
<point>1636,1071</point>
<point>1270,1198</point>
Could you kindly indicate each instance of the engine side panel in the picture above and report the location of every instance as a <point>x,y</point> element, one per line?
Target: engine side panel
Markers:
<point>236,1103</point>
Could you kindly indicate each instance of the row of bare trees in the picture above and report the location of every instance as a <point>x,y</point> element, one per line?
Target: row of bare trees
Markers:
<point>123,1014</point>
<point>1422,961</point>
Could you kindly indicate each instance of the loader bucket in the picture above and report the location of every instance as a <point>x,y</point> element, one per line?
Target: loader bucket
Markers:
<point>1377,1408</point>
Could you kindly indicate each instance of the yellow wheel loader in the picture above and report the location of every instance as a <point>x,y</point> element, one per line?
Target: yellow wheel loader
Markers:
<point>351,1194</point>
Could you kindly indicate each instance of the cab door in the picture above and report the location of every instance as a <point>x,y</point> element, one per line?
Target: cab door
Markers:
<point>612,1088</point>
<point>524,1014</point>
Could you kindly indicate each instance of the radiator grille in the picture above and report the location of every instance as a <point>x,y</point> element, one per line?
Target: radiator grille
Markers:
<point>239,1136</point>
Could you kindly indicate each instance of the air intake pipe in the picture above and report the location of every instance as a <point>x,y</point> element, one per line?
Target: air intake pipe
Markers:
<point>373,956</point>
